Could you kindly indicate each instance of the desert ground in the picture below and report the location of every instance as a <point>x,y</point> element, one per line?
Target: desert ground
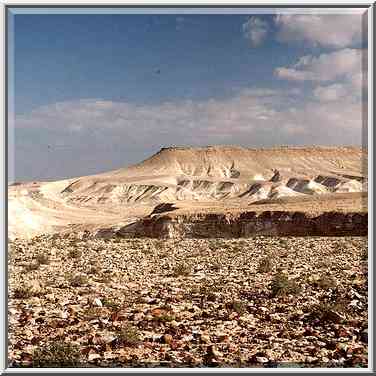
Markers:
<point>261,302</point>
<point>185,260</point>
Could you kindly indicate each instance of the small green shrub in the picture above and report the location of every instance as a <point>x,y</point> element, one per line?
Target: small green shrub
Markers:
<point>164,317</point>
<point>147,251</point>
<point>283,243</point>
<point>105,278</point>
<point>181,270</point>
<point>92,313</point>
<point>265,265</point>
<point>216,266</point>
<point>57,354</point>
<point>128,336</point>
<point>93,270</point>
<point>282,286</point>
<point>364,254</point>
<point>328,312</point>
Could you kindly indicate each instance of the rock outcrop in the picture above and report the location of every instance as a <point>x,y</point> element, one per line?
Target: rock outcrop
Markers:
<point>249,224</point>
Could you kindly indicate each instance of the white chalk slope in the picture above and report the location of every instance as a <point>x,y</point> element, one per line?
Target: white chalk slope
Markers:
<point>217,174</point>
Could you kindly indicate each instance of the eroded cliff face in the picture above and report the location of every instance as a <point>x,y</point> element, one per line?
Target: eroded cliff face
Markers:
<point>249,224</point>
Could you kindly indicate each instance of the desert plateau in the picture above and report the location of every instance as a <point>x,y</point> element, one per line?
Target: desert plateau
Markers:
<point>183,182</point>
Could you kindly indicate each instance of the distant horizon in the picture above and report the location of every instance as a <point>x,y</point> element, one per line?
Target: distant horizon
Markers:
<point>94,92</point>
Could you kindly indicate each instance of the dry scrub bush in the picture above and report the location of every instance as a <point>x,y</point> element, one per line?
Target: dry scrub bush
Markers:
<point>282,286</point>
<point>57,354</point>
<point>265,265</point>
<point>181,269</point>
<point>128,336</point>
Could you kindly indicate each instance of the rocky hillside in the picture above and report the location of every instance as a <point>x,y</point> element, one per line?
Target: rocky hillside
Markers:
<point>216,173</point>
<point>226,177</point>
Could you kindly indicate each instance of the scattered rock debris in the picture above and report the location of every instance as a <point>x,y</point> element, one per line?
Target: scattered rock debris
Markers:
<point>188,303</point>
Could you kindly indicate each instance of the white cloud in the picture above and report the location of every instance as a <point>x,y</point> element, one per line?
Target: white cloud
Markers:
<point>343,64</point>
<point>256,30</point>
<point>326,30</point>
<point>331,92</point>
<point>247,117</point>
<point>88,136</point>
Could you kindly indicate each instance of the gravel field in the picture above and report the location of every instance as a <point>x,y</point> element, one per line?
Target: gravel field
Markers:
<point>257,302</point>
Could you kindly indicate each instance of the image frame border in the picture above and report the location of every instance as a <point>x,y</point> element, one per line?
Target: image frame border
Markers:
<point>8,6</point>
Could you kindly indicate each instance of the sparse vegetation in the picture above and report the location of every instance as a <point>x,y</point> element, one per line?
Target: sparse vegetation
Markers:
<point>283,242</point>
<point>328,312</point>
<point>146,315</point>
<point>164,317</point>
<point>105,278</point>
<point>181,269</point>
<point>91,313</point>
<point>364,255</point>
<point>147,251</point>
<point>57,354</point>
<point>281,285</point>
<point>265,265</point>
<point>128,335</point>
<point>29,267</point>
<point>215,266</point>
<point>94,269</point>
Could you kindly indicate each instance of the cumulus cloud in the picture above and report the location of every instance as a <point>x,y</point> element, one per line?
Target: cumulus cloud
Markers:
<point>343,64</point>
<point>256,30</point>
<point>340,74</point>
<point>334,31</point>
<point>326,30</point>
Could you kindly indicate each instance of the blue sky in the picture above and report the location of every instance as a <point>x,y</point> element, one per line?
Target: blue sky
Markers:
<point>115,57</point>
<point>94,92</point>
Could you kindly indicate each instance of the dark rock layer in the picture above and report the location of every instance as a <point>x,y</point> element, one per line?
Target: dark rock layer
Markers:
<point>248,224</point>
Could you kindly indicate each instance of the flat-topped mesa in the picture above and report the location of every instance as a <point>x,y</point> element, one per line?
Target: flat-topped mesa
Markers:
<point>201,148</point>
<point>228,161</point>
<point>225,172</point>
<point>200,178</point>
<point>265,148</point>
